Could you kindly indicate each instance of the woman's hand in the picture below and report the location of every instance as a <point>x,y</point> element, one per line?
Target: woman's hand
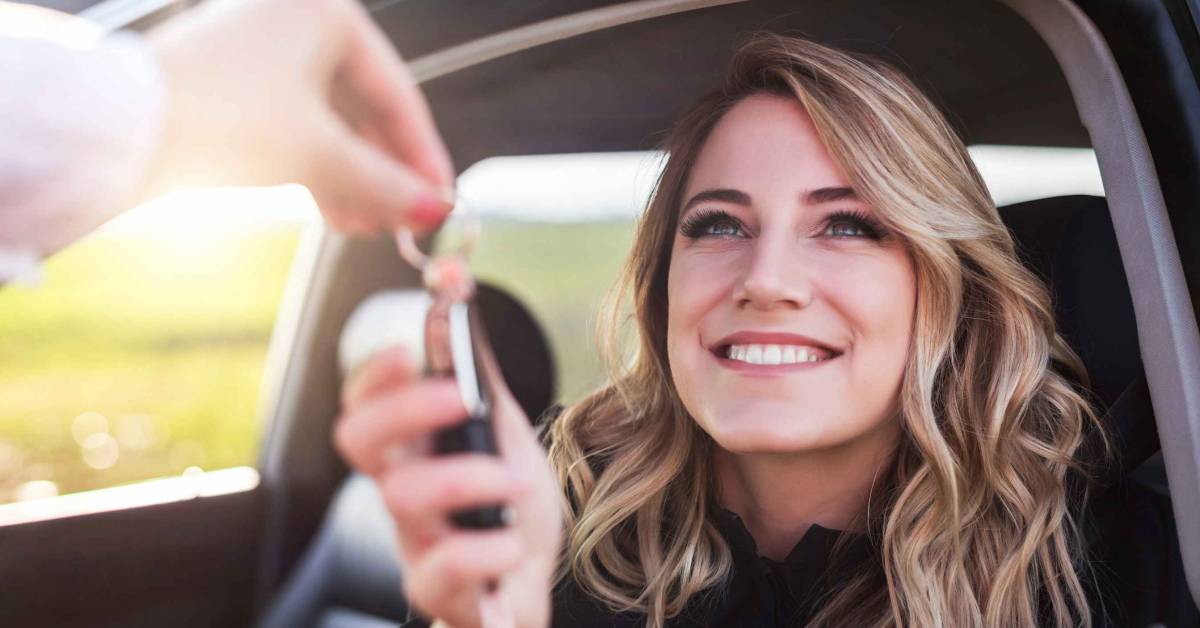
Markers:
<point>389,415</point>
<point>266,92</point>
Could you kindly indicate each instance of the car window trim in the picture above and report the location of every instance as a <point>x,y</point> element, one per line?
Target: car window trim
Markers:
<point>138,495</point>
<point>504,43</point>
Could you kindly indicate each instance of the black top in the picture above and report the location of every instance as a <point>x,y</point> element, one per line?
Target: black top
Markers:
<point>1138,583</point>
<point>760,593</point>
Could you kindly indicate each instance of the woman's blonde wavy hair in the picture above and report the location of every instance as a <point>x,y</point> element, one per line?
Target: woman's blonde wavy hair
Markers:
<point>976,523</point>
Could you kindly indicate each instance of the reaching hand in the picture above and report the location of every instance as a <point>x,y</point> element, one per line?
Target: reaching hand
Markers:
<point>265,92</point>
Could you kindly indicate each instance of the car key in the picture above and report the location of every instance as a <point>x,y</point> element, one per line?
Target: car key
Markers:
<point>465,338</point>
<point>454,343</point>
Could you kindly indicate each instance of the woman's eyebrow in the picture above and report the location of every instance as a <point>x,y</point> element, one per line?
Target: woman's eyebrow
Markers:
<point>738,197</point>
<point>724,195</point>
<point>829,195</point>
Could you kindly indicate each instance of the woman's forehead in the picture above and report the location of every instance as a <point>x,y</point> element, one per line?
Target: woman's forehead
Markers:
<point>766,143</point>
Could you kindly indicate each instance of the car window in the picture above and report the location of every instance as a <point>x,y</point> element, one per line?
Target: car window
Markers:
<point>140,353</point>
<point>558,227</point>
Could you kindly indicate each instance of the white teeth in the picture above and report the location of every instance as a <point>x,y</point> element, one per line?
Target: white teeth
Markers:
<point>776,354</point>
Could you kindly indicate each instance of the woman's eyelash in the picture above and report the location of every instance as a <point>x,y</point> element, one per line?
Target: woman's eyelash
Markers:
<point>697,224</point>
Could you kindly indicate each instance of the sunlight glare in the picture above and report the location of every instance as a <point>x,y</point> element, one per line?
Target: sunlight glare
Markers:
<point>194,213</point>
<point>25,21</point>
<point>193,228</point>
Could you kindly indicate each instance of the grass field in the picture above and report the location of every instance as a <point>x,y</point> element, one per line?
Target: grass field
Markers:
<point>142,356</point>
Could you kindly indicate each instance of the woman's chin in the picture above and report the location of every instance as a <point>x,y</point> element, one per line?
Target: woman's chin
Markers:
<point>746,434</point>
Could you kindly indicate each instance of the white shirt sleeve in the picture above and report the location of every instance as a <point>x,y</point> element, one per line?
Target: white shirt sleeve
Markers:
<point>77,130</point>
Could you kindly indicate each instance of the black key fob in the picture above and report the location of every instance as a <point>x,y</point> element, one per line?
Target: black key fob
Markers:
<point>467,340</point>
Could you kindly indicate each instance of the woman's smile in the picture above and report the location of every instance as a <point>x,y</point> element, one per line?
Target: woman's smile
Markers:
<point>757,354</point>
<point>770,360</point>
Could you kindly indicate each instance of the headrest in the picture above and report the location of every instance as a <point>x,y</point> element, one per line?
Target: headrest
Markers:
<point>397,317</point>
<point>1069,241</point>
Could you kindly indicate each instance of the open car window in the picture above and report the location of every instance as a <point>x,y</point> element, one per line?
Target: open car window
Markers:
<point>140,353</point>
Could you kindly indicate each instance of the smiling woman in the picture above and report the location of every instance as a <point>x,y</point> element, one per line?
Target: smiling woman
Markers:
<point>848,404</point>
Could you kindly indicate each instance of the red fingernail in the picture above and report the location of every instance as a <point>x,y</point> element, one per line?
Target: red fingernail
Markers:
<point>428,211</point>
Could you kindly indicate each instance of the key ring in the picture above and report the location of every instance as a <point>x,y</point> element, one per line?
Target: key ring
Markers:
<point>406,243</point>
<point>445,274</point>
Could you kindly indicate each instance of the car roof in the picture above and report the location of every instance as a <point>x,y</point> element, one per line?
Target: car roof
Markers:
<point>619,87</point>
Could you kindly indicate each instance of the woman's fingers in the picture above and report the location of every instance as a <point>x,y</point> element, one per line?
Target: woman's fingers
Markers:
<point>395,419</point>
<point>439,580</point>
<point>388,369</point>
<point>423,492</point>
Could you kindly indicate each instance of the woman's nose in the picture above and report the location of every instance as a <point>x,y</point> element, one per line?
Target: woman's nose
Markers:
<point>777,276</point>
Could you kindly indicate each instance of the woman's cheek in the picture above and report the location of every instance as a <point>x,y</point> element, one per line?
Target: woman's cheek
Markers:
<point>696,282</point>
<point>877,295</point>
<point>874,289</point>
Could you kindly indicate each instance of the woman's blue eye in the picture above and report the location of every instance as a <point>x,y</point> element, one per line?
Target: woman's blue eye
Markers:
<point>710,223</point>
<point>843,229</point>
<point>856,224</point>
<point>722,228</point>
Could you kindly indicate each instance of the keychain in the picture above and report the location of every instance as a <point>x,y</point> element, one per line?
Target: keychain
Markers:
<point>455,342</point>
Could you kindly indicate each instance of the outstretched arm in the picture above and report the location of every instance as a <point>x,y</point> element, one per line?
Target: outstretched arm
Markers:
<point>92,125</point>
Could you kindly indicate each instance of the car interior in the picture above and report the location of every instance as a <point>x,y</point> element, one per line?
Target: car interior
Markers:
<point>347,576</point>
<point>313,542</point>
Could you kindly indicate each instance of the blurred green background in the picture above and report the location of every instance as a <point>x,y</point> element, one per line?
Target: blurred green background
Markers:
<point>142,355</point>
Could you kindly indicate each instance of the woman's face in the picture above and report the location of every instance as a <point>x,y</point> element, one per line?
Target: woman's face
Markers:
<point>789,310</point>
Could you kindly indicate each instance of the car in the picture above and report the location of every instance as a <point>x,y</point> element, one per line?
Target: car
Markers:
<point>308,543</point>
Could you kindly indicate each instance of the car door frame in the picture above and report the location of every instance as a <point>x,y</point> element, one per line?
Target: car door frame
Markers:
<point>1128,43</point>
